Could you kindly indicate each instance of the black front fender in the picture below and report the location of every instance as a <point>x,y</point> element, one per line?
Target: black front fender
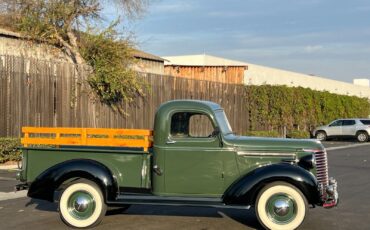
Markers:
<point>44,186</point>
<point>245,190</point>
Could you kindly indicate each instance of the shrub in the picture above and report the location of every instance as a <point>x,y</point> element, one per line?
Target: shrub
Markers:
<point>264,133</point>
<point>8,149</point>
<point>278,106</point>
<point>299,134</point>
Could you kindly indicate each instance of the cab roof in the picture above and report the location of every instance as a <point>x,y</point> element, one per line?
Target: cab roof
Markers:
<point>208,105</point>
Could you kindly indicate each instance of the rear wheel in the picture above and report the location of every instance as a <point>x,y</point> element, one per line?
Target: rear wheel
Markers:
<point>321,136</point>
<point>82,205</point>
<point>281,206</point>
<point>362,136</point>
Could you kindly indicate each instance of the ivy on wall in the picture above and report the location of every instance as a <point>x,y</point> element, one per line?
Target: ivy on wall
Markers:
<point>271,107</point>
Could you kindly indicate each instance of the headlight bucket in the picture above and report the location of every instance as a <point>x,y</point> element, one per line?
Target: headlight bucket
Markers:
<point>307,162</point>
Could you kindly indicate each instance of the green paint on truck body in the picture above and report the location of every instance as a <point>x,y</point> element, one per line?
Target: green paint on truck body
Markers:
<point>199,167</point>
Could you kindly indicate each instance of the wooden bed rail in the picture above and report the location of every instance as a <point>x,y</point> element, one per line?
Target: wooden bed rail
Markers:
<point>138,138</point>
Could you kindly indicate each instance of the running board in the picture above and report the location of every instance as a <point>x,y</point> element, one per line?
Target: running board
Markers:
<point>172,201</point>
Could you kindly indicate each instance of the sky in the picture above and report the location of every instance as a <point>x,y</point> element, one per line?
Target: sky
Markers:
<point>328,38</point>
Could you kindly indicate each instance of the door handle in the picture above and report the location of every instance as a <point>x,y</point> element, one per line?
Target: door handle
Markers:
<point>157,170</point>
<point>170,142</point>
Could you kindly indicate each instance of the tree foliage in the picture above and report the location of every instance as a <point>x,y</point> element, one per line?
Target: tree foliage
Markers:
<point>77,28</point>
<point>271,107</point>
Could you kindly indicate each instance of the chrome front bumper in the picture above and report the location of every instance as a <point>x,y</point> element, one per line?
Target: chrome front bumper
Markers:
<point>329,194</point>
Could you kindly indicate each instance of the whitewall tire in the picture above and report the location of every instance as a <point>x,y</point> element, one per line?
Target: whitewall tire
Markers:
<point>281,206</point>
<point>81,205</point>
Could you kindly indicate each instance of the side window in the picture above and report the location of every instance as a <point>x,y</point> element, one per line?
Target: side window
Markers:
<point>191,125</point>
<point>349,122</point>
<point>336,123</point>
<point>200,126</point>
<point>365,122</point>
<point>180,125</point>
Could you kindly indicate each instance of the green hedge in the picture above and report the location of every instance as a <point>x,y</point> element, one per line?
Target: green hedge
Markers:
<point>8,149</point>
<point>263,133</point>
<point>299,134</point>
<point>271,107</point>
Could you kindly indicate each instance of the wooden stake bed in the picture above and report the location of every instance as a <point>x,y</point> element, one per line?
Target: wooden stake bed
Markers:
<point>139,138</point>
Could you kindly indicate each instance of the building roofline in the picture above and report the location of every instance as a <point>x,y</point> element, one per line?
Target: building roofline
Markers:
<point>8,33</point>
<point>202,60</point>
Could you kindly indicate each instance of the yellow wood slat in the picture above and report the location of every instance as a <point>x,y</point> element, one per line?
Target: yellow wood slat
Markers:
<point>84,137</point>
<point>88,130</point>
<point>90,142</point>
<point>51,141</point>
<point>138,132</point>
<point>117,142</point>
<point>52,130</point>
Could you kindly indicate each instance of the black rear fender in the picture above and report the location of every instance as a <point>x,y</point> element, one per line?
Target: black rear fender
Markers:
<point>44,186</point>
<point>245,190</point>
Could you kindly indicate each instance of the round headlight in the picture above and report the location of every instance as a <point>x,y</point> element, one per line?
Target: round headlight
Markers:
<point>308,162</point>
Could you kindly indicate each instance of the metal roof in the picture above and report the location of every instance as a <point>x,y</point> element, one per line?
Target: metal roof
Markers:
<point>136,53</point>
<point>148,56</point>
<point>201,60</point>
<point>8,33</point>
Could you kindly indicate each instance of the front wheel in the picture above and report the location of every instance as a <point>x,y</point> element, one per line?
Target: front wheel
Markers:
<point>362,136</point>
<point>82,205</point>
<point>281,206</point>
<point>321,136</point>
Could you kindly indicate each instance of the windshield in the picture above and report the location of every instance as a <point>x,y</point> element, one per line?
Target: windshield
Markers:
<point>223,122</point>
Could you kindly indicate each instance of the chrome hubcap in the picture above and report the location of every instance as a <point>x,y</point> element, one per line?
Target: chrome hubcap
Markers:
<point>281,207</point>
<point>320,136</point>
<point>81,205</point>
<point>361,137</point>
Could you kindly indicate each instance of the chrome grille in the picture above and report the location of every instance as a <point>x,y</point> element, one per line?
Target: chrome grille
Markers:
<point>322,168</point>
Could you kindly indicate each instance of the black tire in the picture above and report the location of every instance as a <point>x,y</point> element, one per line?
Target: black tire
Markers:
<point>362,136</point>
<point>281,206</point>
<point>321,135</point>
<point>82,205</point>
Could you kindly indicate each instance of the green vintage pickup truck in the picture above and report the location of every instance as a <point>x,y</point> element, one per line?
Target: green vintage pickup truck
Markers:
<point>195,159</point>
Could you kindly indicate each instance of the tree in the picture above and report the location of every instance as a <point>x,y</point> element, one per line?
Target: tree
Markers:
<point>77,28</point>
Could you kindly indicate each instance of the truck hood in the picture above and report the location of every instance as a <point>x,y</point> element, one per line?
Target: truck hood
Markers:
<point>271,144</point>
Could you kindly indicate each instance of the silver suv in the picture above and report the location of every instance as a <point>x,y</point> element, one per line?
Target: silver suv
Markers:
<point>356,127</point>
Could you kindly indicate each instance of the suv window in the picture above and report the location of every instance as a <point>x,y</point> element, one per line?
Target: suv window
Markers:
<point>349,122</point>
<point>365,122</point>
<point>193,125</point>
<point>336,123</point>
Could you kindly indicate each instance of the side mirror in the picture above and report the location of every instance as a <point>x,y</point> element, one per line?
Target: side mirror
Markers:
<point>216,132</point>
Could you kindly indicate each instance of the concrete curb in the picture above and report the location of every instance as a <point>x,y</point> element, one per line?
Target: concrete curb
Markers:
<point>12,195</point>
<point>347,146</point>
<point>8,167</point>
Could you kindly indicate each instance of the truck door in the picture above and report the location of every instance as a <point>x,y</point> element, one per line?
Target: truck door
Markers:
<point>193,161</point>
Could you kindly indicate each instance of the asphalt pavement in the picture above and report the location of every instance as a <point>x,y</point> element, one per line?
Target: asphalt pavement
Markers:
<point>350,166</point>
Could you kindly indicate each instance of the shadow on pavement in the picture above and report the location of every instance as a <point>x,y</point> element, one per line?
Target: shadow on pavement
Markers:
<point>244,217</point>
<point>43,205</point>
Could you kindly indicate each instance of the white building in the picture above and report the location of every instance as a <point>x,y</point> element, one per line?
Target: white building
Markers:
<point>362,82</point>
<point>260,75</point>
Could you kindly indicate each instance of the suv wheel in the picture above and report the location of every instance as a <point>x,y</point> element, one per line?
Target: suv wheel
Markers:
<point>82,205</point>
<point>281,206</point>
<point>321,136</point>
<point>362,136</point>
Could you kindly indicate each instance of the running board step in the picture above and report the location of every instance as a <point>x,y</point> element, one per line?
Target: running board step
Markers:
<point>173,201</point>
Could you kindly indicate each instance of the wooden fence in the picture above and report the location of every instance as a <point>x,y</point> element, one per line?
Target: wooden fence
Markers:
<point>51,94</point>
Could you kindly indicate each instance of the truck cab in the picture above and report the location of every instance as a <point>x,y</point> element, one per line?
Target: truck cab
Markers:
<point>195,159</point>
